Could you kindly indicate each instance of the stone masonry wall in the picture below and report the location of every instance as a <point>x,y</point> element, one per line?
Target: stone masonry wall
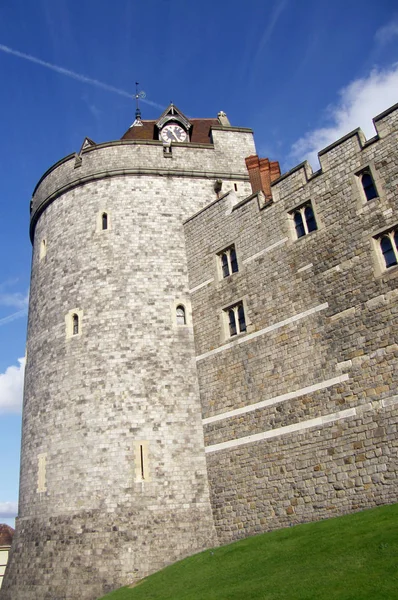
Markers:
<point>300,412</point>
<point>87,521</point>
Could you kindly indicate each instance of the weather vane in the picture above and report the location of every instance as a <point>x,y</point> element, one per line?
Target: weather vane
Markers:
<point>138,96</point>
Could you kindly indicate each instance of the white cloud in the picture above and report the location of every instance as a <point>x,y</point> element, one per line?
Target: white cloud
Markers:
<point>11,388</point>
<point>8,510</point>
<point>359,102</point>
<point>387,33</point>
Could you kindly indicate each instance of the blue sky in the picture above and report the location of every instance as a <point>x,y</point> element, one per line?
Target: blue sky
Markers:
<point>301,74</point>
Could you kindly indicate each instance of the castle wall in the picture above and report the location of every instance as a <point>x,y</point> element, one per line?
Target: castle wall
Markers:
<point>126,383</point>
<point>300,411</point>
<point>141,433</point>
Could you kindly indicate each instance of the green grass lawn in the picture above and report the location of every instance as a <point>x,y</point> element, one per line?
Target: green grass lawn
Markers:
<point>354,557</point>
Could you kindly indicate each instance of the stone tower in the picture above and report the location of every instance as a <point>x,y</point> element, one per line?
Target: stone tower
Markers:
<point>113,475</point>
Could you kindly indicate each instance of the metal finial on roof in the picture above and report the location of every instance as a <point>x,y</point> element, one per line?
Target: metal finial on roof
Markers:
<point>138,96</point>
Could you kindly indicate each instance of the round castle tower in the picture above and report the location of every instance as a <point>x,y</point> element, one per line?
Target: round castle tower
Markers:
<point>113,475</point>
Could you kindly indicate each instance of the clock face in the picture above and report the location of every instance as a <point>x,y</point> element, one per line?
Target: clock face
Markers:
<point>173,133</point>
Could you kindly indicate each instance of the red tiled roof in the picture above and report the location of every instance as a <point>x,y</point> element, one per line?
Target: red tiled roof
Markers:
<point>199,132</point>
<point>6,534</point>
<point>144,132</point>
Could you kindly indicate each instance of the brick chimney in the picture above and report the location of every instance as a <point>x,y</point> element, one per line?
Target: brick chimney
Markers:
<point>262,173</point>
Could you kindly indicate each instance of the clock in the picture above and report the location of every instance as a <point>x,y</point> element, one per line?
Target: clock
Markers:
<point>173,133</point>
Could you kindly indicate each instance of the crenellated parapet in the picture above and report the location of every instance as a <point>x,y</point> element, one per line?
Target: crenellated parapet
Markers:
<point>211,349</point>
<point>343,156</point>
<point>294,303</point>
<point>223,159</point>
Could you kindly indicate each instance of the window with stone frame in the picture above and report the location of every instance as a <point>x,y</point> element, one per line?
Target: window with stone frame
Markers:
<point>75,324</point>
<point>228,261</point>
<point>180,315</point>
<point>388,245</point>
<point>235,319</point>
<point>304,220</point>
<point>368,184</point>
<point>43,248</point>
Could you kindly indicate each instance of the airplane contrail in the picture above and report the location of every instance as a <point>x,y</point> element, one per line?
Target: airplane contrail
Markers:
<point>13,316</point>
<point>77,76</point>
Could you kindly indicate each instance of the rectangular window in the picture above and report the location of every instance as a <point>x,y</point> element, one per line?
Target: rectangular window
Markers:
<point>228,261</point>
<point>304,220</point>
<point>236,320</point>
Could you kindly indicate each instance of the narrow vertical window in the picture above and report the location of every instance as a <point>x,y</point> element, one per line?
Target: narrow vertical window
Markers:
<point>232,322</point>
<point>236,187</point>
<point>310,218</point>
<point>225,266</point>
<point>234,261</point>
<point>43,248</point>
<point>141,463</point>
<point>104,221</point>
<point>368,186</point>
<point>387,248</point>
<point>142,466</point>
<point>180,315</point>
<point>298,222</point>
<point>75,324</point>
<point>241,318</point>
<point>229,261</point>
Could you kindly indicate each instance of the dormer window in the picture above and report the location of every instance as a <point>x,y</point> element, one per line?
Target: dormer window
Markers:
<point>173,126</point>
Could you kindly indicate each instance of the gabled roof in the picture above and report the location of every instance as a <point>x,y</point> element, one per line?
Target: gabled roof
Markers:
<point>87,143</point>
<point>199,131</point>
<point>172,113</point>
<point>6,535</point>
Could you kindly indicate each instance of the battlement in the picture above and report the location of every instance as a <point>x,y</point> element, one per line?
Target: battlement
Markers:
<point>211,349</point>
<point>223,159</point>
<point>349,149</point>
